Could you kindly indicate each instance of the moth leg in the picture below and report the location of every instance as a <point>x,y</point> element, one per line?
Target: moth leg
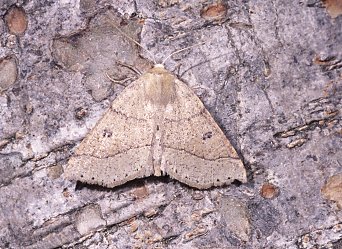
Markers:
<point>132,68</point>
<point>176,70</point>
<point>121,82</point>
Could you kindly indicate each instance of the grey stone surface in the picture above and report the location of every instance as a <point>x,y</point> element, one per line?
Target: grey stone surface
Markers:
<point>235,217</point>
<point>8,73</point>
<point>269,73</point>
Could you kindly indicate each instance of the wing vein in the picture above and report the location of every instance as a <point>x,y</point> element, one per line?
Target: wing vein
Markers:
<point>113,155</point>
<point>208,159</point>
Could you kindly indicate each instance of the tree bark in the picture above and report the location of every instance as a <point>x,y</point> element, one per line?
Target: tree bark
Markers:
<point>269,72</point>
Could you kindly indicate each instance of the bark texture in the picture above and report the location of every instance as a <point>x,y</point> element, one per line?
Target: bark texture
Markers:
<point>269,72</point>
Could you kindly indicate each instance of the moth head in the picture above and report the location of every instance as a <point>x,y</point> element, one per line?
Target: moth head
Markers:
<point>159,69</point>
<point>159,66</point>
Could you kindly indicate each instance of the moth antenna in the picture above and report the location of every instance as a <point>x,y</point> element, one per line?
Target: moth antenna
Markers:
<point>180,50</point>
<point>131,39</point>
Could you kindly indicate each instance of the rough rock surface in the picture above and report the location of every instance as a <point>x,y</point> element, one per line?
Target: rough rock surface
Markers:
<point>269,73</point>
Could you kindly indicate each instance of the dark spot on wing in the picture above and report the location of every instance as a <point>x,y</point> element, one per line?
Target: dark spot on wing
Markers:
<point>107,133</point>
<point>207,135</point>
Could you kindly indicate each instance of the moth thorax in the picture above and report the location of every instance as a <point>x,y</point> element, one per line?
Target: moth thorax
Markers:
<point>159,86</point>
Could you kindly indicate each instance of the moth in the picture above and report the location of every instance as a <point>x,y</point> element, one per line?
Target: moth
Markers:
<point>156,126</point>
